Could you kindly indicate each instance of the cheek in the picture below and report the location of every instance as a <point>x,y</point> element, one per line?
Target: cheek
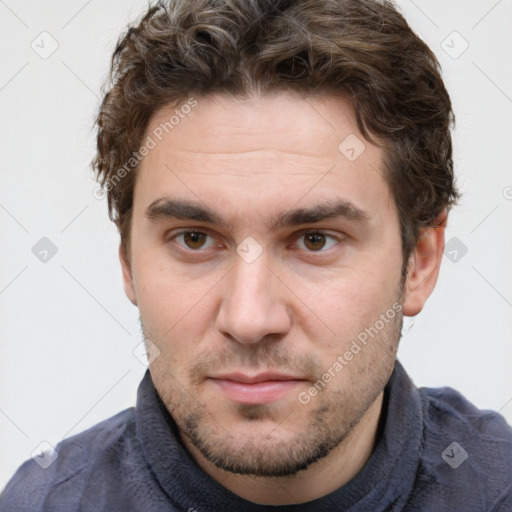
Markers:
<point>169,287</point>
<point>174,309</point>
<point>345,306</point>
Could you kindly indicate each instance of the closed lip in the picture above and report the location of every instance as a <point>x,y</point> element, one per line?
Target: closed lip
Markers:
<point>254,379</point>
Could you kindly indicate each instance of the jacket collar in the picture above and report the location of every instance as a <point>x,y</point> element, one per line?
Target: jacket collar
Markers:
<point>384,484</point>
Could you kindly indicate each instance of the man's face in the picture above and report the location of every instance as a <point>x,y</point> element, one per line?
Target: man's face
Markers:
<point>274,252</point>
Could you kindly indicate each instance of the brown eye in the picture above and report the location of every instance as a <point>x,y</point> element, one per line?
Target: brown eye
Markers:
<point>194,239</point>
<point>314,241</point>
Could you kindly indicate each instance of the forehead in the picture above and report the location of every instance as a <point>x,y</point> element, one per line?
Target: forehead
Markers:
<point>281,121</point>
<point>261,150</point>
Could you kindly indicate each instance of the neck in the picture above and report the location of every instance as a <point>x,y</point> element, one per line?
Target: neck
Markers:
<point>320,479</point>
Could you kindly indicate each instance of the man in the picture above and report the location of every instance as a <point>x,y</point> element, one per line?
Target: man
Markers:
<point>281,175</point>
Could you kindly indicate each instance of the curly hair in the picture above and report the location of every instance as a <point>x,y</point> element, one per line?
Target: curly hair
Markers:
<point>363,49</point>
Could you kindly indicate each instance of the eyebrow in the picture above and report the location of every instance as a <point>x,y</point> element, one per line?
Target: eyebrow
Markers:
<point>167,208</point>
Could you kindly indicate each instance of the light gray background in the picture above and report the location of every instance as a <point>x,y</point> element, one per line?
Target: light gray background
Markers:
<point>67,330</point>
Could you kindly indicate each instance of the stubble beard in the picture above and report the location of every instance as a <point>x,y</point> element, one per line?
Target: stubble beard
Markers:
<point>267,444</point>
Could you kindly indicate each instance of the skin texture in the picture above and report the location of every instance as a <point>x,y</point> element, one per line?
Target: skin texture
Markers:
<point>295,308</point>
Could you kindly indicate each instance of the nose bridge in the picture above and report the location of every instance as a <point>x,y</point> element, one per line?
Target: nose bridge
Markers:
<point>252,281</point>
<point>253,305</point>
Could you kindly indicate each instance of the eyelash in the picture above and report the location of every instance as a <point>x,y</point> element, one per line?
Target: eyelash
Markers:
<point>296,237</point>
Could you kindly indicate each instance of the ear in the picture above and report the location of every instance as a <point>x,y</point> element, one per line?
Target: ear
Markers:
<point>127,276</point>
<point>423,266</point>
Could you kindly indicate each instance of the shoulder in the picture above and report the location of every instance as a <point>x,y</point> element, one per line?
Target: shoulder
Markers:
<point>447,399</point>
<point>447,410</point>
<point>35,482</point>
<point>466,451</point>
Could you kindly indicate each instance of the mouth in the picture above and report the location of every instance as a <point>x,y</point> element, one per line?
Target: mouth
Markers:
<point>255,389</point>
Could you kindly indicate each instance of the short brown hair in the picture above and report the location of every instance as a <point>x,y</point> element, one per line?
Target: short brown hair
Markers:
<point>363,49</point>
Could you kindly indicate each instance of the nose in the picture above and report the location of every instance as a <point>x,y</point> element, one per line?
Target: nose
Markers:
<point>254,303</point>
